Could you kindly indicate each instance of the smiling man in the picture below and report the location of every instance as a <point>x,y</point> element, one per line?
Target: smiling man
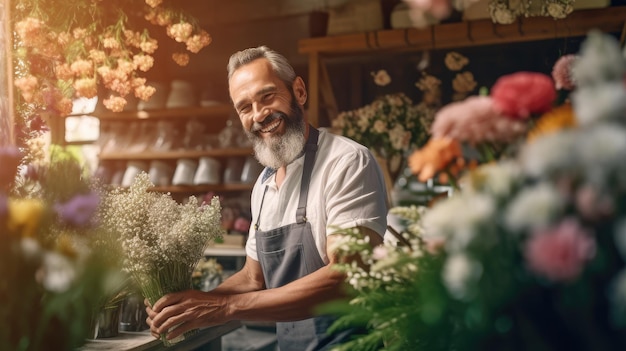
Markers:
<point>313,184</point>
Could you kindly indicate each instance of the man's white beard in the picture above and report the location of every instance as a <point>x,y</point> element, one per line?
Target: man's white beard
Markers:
<point>276,152</point>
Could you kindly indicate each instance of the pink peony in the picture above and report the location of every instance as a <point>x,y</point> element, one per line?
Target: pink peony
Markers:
<point>521,94</point>
<point>475,120</point>
<point>559,253</point>
<point>562,72</point>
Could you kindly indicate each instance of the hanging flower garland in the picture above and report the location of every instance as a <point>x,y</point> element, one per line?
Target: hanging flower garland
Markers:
<point>66,50</point>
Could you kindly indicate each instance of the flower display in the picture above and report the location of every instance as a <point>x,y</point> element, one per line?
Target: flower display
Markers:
<point>501,11</point>
<point>66,50</point>
<point>56,272</point>
<point>390,126</point>
<point>528,254</point>
<point>162,240</point>
<point>493,125</point>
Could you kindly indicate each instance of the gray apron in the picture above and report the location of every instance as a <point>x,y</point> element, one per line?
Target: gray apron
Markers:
<point>288,253</point>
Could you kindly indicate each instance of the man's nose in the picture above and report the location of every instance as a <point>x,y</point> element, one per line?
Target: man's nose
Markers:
<point>261,113</point>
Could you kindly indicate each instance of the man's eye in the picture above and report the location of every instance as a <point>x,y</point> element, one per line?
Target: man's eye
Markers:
<point>244,110</point>
<point>268,97</point>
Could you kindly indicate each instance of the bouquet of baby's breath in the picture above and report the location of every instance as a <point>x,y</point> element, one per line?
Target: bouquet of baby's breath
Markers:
<point>162,239</point>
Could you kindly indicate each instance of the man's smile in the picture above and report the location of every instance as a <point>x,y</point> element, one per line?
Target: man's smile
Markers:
<point>271,127</point>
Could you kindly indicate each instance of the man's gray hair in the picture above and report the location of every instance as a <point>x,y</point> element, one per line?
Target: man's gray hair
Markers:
<point>279,63</point>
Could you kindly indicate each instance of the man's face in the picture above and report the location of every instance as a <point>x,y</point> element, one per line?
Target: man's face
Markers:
<point>269,113</point>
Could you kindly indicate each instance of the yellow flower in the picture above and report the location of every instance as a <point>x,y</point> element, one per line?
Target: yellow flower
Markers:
<point>25,216</point>
<point>558,118</point>
<point>65,245</point>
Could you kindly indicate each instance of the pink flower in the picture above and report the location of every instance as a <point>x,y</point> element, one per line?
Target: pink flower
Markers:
<point>593,204</point>
<point>562,72</point>
<point>241,225</point>
<point>475,120</point>
<point>437,8</point>
<point>521,94</point>
<point>559,253</point>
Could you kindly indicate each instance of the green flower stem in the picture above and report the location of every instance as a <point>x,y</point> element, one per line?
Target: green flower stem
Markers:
<point>173,277</point>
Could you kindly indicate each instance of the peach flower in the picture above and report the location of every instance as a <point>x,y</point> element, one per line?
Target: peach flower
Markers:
<point>435,156</point>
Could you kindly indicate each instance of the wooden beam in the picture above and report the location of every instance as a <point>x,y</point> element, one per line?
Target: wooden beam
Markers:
<point>326,91</point>
<point>469,33</point>
<point>314,89</point>
<point>7,102</point>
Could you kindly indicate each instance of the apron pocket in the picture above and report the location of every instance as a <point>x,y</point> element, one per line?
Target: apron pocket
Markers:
<point>284,265</point>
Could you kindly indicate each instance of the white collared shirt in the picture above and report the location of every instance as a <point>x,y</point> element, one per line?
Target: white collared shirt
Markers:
<point>346,190</point>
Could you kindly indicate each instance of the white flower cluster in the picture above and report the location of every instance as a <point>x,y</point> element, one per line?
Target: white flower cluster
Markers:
<point>387,264</point>
<point>507,11</point>
<point>390,125</point>
<point>155,230</point>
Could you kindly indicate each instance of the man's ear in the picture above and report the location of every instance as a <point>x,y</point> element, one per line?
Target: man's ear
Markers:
<point>299,90</point>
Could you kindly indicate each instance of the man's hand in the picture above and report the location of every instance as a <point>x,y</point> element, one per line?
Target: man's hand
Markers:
<point>177,313</point>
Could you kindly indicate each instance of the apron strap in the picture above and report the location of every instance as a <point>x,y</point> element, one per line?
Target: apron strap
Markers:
<point>309,160</point>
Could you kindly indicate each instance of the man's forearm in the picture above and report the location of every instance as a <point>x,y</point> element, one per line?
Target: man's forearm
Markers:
<point>237,283</point>
<point>294,301</point>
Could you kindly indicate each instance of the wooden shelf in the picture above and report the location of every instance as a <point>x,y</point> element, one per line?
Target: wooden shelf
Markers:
<point>468,33</point>
<point>205,339</point>
<point>444,36</point>
<point>195,189</point>
<point>174,155</point>
<point>219,110</point>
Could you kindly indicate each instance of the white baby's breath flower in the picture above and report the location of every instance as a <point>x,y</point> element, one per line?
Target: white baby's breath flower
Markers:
<point>156,231</point>
<point>533,207</point>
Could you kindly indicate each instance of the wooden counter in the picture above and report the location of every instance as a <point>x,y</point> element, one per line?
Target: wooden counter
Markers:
<point>208,339</point>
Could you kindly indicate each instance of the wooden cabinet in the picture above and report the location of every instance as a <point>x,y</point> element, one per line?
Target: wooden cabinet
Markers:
<point>210,121</point>
<point>442,36</point>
